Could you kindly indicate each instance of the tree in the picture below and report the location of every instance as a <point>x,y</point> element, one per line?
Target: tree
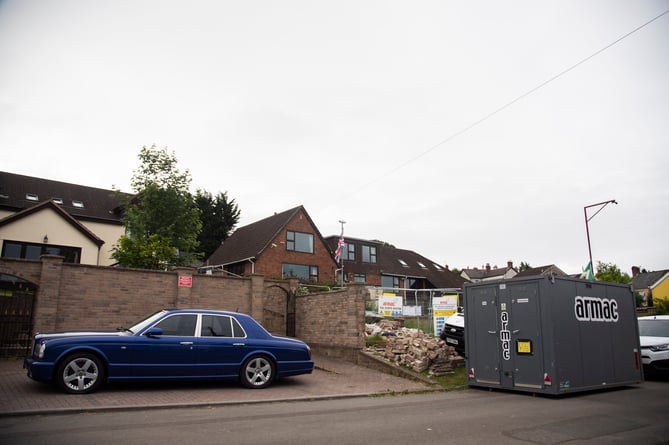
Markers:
<point>162,220</point>
<point>610,272</point>
<point>219,217</point>
<point>524,266</point>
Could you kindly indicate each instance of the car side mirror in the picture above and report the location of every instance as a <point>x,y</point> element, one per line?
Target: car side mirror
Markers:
<point>154,332</point>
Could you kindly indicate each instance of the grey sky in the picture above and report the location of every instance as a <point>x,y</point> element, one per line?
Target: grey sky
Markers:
<point>366,111</point>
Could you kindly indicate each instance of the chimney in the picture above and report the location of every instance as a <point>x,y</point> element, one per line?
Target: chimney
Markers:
<point>635,271</point>
<point>487,267</point>
<point>509,264</point>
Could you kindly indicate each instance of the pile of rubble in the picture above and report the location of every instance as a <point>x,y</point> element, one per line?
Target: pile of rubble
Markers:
<point>414,348</point>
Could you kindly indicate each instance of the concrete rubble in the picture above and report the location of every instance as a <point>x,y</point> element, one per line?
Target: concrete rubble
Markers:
<point>413,348</point>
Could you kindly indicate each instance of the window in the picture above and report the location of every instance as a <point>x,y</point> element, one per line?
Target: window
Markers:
<point>221,326</point>
<point>33,251</point>
<point>421,265</point>
<point>359,278</point>
<point>78,204</point>
<point>179,325</point>
<point>403,263</point>
<point>368,254</point>
<point>299,271</point>
<point>57,201</point>
<point>300,242</point>
<point>32,197</point>
<point>436,266</point>
<point>389,281</point>
<point>349,252</point>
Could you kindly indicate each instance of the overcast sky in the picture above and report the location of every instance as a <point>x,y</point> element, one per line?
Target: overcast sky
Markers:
<point>470,132</point>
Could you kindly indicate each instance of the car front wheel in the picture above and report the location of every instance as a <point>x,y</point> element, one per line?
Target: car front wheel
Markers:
<point>257,372</point>
<point>80,373</point>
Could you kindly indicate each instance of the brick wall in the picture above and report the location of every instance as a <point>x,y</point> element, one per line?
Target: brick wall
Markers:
<point>334,321</point>
<point>76,297</point>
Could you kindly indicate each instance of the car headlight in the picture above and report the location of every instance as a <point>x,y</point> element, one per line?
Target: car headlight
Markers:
<point>39,350</point>
<point>658,348</point>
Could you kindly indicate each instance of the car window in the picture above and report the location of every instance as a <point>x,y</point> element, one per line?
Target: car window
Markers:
<point>654,328</point>
<point>181,325</point>
<point>220,326</point>
<point>216,326</point>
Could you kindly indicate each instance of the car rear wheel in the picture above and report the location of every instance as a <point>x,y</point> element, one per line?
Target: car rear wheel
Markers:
<point>257,372</point>
<point>80,373</point>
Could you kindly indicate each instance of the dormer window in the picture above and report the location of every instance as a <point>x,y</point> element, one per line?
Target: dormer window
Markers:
<point>32,197</point>
<point>438,267</point>
<point>403,263</point>
<point>78,204</point>
<point>421,265</point>
<point>58,201</point>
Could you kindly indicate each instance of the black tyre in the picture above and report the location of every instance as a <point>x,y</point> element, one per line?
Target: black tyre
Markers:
<point>80,373</point>
<point>257,372</point>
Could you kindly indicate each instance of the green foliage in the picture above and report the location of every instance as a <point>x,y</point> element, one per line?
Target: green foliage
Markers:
<point>374,340</point>
<point>219,217</point>
<point>661,306</point>
<point>524,266</point>
<point>162,221</point>
<point>611,273</point>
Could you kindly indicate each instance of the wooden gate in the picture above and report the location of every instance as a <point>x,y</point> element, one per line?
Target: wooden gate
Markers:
<point>17,299</point>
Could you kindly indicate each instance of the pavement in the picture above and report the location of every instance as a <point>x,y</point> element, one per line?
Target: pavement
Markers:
<point>332,378</point>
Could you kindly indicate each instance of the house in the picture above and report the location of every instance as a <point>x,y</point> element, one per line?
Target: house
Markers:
<point>489,273</point>
<point>284,245</point>
<point>40,216</point>
<point>652,286</point>
<point>379,264</point>
<point>550,269</point>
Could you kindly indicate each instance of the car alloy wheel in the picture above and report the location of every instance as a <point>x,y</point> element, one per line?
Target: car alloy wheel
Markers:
<point>80,373</point>
<point>257,372</point>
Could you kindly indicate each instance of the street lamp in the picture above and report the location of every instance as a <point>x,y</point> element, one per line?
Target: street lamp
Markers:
<point>601,206</point>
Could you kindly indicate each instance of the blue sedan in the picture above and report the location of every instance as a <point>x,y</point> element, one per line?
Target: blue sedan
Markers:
<point>170,344</point>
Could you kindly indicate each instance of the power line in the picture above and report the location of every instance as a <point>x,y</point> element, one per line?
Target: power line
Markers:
<point>512,102</point>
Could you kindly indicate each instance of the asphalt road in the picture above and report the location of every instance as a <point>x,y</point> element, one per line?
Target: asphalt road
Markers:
<point>636,415</point>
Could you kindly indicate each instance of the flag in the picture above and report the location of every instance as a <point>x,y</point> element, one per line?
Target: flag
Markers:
<point>587,272</point>
<point>340,247</point>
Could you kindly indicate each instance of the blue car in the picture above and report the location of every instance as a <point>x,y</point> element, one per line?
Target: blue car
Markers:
<point>170,344</point>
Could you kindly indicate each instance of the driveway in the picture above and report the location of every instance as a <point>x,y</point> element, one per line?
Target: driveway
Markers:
<point>332,378</point>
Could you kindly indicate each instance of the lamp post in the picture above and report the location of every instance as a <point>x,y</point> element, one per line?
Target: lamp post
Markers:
<point>601,206</point>
<point>341,252</point>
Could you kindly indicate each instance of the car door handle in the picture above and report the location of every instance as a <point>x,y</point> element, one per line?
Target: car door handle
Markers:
<point>186,343</point>
<point>492,332</point>
<point>238,344</point>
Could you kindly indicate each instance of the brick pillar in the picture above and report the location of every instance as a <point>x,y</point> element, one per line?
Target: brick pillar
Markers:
<point>47,304</point>
<point>257,297</point>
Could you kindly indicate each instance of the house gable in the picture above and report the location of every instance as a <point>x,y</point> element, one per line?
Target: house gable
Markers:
<point>264,247</point>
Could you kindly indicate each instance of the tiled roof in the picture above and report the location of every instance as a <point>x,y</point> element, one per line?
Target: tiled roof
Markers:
<point>646,280</point>
<point>485,273</point>
<point>412,264</point>
<point>18,192</point>
<point>249,241</point>
<point>541,270</point>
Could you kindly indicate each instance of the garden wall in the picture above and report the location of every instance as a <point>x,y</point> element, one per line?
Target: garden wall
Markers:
<point>75,296</point>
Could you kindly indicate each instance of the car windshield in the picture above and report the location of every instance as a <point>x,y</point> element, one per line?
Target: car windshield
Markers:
<point>654,328</point>
<point>146,322</point>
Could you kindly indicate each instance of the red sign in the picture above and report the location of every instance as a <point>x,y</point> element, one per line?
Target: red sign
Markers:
<point>185,281</point>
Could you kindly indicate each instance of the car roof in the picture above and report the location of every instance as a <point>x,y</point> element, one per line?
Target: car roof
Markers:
<point>205,311</point>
